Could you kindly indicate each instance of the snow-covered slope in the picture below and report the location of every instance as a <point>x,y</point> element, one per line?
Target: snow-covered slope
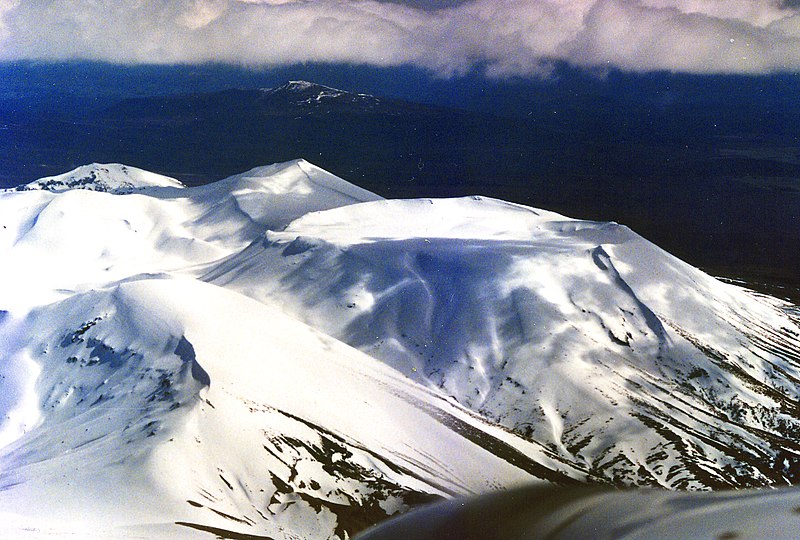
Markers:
<point>625,362</point>
<point>136,397</point>
<point>284,354</point>
<point>81,239</point>
<point>215,411</point>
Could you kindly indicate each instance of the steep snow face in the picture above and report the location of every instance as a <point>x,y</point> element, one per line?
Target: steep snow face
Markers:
<point>627,363</point>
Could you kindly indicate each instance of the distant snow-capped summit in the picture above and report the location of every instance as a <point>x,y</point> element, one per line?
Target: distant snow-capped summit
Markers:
<point>310,96</point>
<point>307,86</point>
<point>113,178</point>
<point>317,91</point>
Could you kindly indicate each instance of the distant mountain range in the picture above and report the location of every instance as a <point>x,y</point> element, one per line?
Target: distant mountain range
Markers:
<point>392,146</point>
<point>284,354</point>
<point>291,99</point>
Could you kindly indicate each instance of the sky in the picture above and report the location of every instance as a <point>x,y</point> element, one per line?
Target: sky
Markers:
<point>499,38</point>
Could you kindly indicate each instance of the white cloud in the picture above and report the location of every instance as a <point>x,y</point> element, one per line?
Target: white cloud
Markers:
<point>200,13</point>
<point>5,6</point>
<point>754,12</point>
<point>504,37</point>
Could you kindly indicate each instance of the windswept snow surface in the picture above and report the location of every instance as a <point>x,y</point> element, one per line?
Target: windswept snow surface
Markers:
<point>621,360</point>
<point>286,355</point>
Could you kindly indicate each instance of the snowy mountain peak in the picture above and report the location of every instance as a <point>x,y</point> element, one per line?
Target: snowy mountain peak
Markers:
<point>274,195</point>
<point>310,93</point>
<point>113,178</point>
<point>307,85</point>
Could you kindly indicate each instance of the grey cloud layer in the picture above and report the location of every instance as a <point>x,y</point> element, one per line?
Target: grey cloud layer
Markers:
<point>503,37</point>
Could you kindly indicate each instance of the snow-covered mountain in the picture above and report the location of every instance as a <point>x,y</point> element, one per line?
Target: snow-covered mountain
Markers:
<point>292,100</point>
<point>310,96</point>
<point>284,354</point>
<point>623,361</point>
<point>114,178</point>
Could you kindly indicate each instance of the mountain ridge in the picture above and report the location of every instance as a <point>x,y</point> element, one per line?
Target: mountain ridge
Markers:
<point>114,178</point>
<point>318,92</point>
<point>643,154</point>
<point>283,353</point>
<point>473,293</point>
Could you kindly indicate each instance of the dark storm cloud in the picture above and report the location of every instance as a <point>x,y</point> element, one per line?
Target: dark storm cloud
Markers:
<point>504,38</point>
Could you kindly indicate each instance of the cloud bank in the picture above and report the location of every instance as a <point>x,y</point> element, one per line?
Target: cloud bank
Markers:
<point>500,37</point>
